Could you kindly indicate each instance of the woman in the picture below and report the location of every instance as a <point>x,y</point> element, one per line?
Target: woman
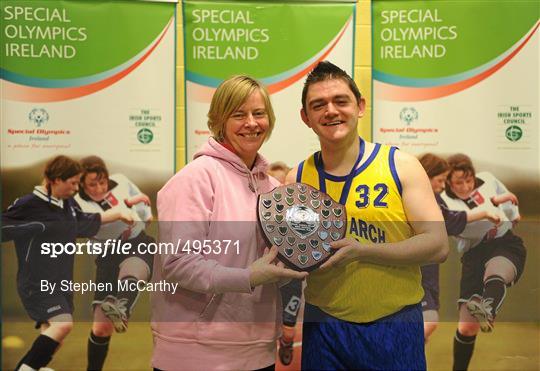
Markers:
<point>49,215</point>
<point>111,309</point>
<point>493,257</point>
<point>456,221</point>
<point>226,314</point>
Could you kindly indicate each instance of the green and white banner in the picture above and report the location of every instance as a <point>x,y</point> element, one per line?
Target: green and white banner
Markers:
<point>277,43</point>
<point>88,78</point>
<point>459,76</point>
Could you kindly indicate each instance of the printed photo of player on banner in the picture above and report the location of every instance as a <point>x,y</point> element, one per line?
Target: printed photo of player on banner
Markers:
<point>87,129</point>
<point>456,83</point>
<point>268,42</point>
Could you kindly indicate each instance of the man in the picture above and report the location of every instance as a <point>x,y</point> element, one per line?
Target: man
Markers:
<point>362,306</point>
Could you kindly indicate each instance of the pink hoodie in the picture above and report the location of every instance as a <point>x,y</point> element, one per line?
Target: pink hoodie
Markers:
<point>215,320</point>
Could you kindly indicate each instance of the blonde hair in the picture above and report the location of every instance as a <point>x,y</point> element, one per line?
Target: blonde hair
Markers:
<point>229,96</point>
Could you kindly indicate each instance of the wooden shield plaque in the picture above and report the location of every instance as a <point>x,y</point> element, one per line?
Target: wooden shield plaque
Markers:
<point>301,221</point>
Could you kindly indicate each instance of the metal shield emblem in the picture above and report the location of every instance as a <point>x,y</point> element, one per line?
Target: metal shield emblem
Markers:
<point>302,220</point>
<point>305,217</point>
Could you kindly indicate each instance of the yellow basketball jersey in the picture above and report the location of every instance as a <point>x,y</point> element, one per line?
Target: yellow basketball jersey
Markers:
<point>362,292</point>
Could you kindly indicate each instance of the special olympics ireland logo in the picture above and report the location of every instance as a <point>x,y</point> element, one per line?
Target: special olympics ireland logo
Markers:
<point>408,115</point>
<point>38,116</point>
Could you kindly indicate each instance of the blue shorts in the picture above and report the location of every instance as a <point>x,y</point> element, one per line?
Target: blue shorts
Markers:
<point>395,342</point>
<point>430,284</point>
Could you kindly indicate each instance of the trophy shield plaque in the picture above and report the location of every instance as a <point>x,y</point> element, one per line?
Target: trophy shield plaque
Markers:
<point>301,222</point>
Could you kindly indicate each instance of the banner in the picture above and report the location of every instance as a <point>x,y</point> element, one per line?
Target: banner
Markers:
<point>460,76</point>
<point>277,43</point>
<point>79,79</point>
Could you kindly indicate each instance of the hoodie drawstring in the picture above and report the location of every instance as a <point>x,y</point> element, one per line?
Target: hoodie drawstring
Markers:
<point>253,183</point>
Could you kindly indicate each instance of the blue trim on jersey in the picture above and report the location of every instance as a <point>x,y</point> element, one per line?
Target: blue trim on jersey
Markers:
<point>299,172</point>
<point>369,160</point>
<point>320,171</point>
<point>393,170</point>
<point>323,175</point>
<point>335,178</point>
<point>345,191</point>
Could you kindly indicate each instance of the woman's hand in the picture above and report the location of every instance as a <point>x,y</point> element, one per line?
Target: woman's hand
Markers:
<point>493,217</point>
<point>136,199</point>
<point>112,215</point>
<point>501,199</point>
<point>126,217</point>
<point>264,270</point>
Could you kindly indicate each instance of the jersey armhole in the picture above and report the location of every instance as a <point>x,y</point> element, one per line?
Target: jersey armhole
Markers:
<point>393,170</point>
<point>299,172</point>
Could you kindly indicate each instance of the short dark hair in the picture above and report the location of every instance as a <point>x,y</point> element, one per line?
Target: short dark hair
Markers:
<point>94,164</point>
<point>433,164</point>
<point>460,162</point>
<point>61,167</point>
<point>327,71</point>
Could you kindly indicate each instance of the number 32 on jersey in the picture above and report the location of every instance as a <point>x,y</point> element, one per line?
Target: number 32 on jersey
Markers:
<point>367,195</point>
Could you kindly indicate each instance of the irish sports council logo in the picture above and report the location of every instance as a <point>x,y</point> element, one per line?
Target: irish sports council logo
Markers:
<point>145,136</point>
<point>513,133</point>
<point>38,116</point>
<point>408,115</point>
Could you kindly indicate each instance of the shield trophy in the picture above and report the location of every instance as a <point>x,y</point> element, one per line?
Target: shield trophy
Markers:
<point>301,222</point>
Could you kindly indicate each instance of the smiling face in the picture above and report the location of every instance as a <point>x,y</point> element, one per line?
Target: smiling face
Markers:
<point>461,183</point>
<point>247,128</point>
<point>96,186</point>
<point>64,189</point>
<point>332,110</point>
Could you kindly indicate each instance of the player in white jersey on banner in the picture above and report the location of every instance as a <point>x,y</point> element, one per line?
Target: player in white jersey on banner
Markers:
<point>50,216</point>
<point>493,257</point>
<point>100,192</point>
